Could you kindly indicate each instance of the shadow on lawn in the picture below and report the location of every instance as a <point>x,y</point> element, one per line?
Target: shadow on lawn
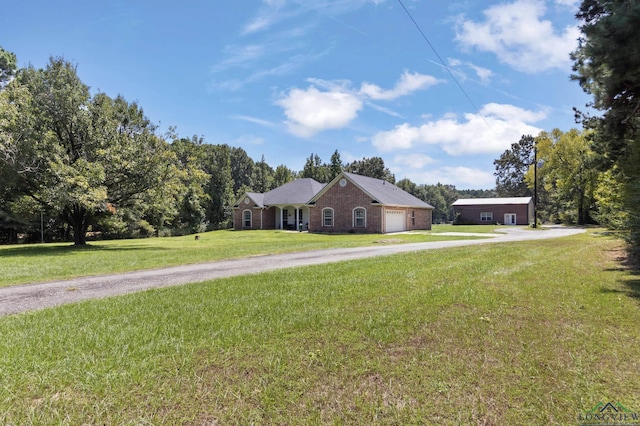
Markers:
<point>62,250</point>
<point>632,277</point>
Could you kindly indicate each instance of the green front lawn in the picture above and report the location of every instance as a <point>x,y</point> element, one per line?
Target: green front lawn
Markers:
<point>21,264</point>
<point>533,333</point>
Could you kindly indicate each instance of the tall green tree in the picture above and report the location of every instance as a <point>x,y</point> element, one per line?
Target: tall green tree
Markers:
<point>314,168</point>
<point>80,155</point>
<point>408,186</point>
<point>567,175</point>
<point>512,167</point>
<point>262,176</point>
<point>336,166</point>
<point>188,192</point>
<point>8,66</point>
<point>606,65</point>
<point>372,167</point>
<point>241,171</point>
<point>282,175</point>
<point>219,187</point>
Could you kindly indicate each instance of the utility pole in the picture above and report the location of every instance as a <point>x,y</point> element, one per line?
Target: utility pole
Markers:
<point>535,183</point>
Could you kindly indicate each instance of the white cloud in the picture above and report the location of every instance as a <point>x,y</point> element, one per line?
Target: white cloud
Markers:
<point>516,33</point>
<point>413,161</point>
<point>333,104</point>
<point>311,111</point>
<point>456,65</point>
<point>249,140</point>
<point>484,74</point>
<point>276,11</point>
<point>408,83</point>
<point>512,113</point>
<point>490,132</point>
<point>238,56</point>
<point>573,4</point>
<point>461,177</point>
<point>403,136</point>
<point>384,110</point>
<point>266,17</point>
<point>254,120</point>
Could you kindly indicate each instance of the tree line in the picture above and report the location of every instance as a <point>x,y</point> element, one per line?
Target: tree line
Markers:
<point>74,165</point>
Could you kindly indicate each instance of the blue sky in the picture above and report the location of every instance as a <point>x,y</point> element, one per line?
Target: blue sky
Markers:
<point>287,78</point>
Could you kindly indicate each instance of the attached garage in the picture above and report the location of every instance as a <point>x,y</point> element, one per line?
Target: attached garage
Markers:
<point>394,221</point>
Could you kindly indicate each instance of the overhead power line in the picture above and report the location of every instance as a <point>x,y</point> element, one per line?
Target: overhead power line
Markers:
<point>424,36</point>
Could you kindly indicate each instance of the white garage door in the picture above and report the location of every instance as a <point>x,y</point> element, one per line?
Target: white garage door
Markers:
<point>395,221</point>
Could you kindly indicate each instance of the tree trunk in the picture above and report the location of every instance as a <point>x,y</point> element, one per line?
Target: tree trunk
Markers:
<point>80,219</point>
<point>581,210</point>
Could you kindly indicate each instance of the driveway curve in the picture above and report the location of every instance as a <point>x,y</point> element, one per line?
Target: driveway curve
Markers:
<point>31,297</point>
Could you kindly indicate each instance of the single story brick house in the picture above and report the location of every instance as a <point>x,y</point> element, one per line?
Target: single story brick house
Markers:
<point>487,211</point>
<point>349,203</point>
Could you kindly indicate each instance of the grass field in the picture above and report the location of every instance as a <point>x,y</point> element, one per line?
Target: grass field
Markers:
<point>532,333</point>
<point>23,264</point>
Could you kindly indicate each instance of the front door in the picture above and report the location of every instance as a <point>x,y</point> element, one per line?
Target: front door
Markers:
<point>509,218</point>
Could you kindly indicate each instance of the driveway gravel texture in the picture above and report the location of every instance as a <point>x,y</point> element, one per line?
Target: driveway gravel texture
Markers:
<point>30,297</point>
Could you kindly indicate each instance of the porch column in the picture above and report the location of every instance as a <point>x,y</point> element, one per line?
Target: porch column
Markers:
<point>280,227</point>
<point>297,220</point>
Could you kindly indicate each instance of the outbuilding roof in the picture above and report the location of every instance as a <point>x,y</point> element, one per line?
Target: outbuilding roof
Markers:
<point>491,201</point>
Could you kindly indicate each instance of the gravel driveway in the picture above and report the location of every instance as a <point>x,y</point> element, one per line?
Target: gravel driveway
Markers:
<point>31,297</point>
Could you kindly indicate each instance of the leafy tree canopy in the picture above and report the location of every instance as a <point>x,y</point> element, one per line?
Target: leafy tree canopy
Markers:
<point>607,66</point>
<point>80,155</point>
<point>512,166</point>
<point>7,66</point>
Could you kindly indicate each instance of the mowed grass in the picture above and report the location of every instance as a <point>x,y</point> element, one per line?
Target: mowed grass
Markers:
<point>23,264</point>
<point>532,333</point>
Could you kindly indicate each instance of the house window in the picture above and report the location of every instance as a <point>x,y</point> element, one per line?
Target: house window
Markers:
<point>246,219</point>
<point>359,217</point>
<point>486,216</point>
<point>327,217</point>
<point>413,217</point>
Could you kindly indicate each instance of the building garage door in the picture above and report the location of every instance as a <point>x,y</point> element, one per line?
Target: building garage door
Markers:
<point>394,221</point>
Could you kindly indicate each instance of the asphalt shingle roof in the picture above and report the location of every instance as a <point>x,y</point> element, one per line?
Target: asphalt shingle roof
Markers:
<point>386,193</point>
<point>299,191</point>
<point>302,191</point>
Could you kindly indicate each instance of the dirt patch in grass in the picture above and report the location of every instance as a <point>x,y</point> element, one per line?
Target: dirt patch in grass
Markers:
<point>389,241</point>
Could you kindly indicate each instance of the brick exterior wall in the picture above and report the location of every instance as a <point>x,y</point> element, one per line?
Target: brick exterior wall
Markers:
<point>343,200</point>
<point>268,218</point>
<point>471,214</point>
<point>420,221</point>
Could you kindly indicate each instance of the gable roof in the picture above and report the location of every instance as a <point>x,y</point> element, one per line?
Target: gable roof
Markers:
<point>256,197</point>
<point>381,191</point>
<point>299,191</point>
<point>491,201</point>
